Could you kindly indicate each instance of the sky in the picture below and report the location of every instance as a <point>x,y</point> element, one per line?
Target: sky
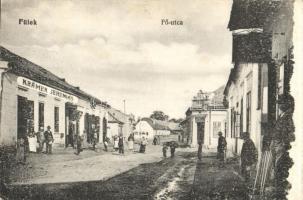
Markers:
<point>118,50</point>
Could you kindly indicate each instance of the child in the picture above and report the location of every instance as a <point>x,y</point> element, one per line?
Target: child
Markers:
<point>164,150</point>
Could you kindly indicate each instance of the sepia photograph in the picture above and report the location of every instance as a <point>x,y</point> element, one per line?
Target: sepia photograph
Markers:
<point>151,99</point>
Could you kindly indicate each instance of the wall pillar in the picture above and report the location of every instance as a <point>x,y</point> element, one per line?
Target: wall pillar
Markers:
<point>194,136</point>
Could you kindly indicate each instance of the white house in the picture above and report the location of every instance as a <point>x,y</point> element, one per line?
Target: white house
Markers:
<point>149,128</point>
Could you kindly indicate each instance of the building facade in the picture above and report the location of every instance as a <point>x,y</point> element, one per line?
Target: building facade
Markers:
<point>33,98</point>
<point>204,119</point>
<point>149,128</point>
<point>262,43</point>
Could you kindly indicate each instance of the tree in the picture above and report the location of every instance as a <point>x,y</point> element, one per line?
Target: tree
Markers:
<point>159,115</point>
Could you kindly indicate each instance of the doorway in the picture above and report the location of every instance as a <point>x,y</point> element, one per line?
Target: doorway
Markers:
<point>25,117</point>
<point>200,131</point>
<point>104,125</point>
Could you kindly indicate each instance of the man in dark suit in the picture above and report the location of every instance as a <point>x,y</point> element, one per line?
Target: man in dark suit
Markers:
<point>49,139</point>
<point>221,149</point>
<point>249,156</point>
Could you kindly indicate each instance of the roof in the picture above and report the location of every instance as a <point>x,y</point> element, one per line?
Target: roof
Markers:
<point>23,67</point>
<point>118,116</point>
<point>162,125</point>
<point>113,119</point>
<point>247,14</point>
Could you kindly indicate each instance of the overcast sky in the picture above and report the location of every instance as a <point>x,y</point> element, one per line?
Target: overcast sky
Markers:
<point>119,50</point>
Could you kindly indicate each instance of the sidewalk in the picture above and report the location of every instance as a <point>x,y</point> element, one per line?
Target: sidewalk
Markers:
<point>212,182</point>
<point>64,166</point>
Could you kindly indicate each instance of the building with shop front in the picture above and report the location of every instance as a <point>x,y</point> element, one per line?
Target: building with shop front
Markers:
<point>204,119</point>
<point>33,97</point>
<point>261,54</point>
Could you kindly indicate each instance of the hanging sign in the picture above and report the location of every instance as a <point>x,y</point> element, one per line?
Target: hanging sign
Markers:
<point>27,83</point>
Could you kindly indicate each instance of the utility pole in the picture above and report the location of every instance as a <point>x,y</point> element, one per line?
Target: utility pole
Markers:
<point>124,106</point>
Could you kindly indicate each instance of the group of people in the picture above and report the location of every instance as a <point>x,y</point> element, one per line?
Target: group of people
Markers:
<point>248,156</point>
<point>34,142</point>
<point>173,145</point>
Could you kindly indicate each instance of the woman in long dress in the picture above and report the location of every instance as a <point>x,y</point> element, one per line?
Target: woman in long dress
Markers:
<point>131,142</point>
<point>116,143</point>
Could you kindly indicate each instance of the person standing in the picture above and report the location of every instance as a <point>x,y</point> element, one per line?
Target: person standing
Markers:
<point>106,141</point>
<point>155,141</point>
<point>200,150</point>
<point>116,143</point>
<point>121,145</point>
<point>95,139</point>
<point>79,144</point>
<point>20,156</point>
<point>131,142</point>
<point>49,139</point>
<point>164,150</point>
<point>249,156</point>
<point>40,139</point>
<point>221,149</point>
<point>173,146</point>
<point>143,145</point>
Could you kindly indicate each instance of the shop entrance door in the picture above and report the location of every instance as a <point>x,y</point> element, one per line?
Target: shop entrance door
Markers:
<point>71,129</point>
<point>25,117</point>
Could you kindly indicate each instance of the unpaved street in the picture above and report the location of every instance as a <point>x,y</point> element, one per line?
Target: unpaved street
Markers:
<point>181,177</point>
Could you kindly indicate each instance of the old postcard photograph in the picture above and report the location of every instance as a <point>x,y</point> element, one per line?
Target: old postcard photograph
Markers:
<point>151,99</point>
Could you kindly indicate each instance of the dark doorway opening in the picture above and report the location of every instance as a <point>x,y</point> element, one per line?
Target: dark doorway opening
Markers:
<point>200,131</point>
<point>25,117</point>
<point>104,125</point>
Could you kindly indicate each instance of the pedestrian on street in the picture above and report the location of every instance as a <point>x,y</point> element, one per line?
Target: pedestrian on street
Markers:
<point>173,146</point>
<point>49,139</point>
<point>200,150</point>
<point>155,141</point>
<point>95,139</point>
<point>164,149</point>
<point>116,143</point>
<point>131,140</point>
<point>221,148</point>
<point>20,155</point>
<point>32,141</point>
<point>143,145</point>
<point>121,145</point>
<point>106,141</point>
<point>79,141</point>
<point>249,156</point>
<point>40,139</point>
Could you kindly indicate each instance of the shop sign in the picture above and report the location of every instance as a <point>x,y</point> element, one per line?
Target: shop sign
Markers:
<point>27,83</point>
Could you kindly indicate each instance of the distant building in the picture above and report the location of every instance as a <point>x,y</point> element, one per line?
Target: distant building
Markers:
<point>149,128</point>
<point>204,119</point>
<point>119,123</point>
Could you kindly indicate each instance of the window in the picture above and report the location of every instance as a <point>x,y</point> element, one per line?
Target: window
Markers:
<point>233,122</point>
<point>216,128</point>
<point>41,115</point>
<point>248,112</point>
<point>56,125</point>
